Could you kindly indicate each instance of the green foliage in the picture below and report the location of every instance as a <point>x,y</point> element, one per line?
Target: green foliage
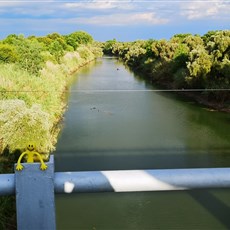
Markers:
<point>56,49</point>
<point>72,42</point>
<point>218,47</point>
<point>108,46</point>
<point>207,36</point>
<point>39,100</point>
<point>184,61</point>
<point>27,52</point>
<point>54,36</point>
<point>78,38</point>
<point>164,49</point>
<point>32,107</point>
<point>198,65</point>
<point>134,53</point>
<point>180,37</point>
<point>11,39</point>
<point>193,41</point>
<point>84,52</point>
<point>96,49</point>
<point>30,57</point>
<point>20,124</point>
<point>180,77</point>
<point>7,53</point>
<point>45,41</point>
<point>45,90</point>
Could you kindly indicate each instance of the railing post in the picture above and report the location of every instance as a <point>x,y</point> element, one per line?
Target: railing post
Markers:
<point>35,197</point>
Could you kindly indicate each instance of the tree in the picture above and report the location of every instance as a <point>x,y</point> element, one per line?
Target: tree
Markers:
<point>108,45</point>
<point>56,49</point>
<point>78,38</point>
<point>29,55</point>
<point>7,53</point>
<point>20,124</point>
<point>11,39</point>
<point>193,41</point>
<point>198,65</point>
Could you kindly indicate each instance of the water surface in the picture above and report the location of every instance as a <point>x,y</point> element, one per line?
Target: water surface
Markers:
<point>112,122</point>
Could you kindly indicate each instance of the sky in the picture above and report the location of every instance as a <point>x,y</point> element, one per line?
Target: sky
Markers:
<point>123,20</point>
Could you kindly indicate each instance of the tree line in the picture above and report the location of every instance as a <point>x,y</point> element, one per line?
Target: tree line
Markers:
<point>32,52</point>
<point>185,61</point>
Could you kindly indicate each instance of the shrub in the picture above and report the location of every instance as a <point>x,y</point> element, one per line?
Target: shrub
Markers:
<point>7,53</point>
<point>30,58</point>
<point>20,125</point>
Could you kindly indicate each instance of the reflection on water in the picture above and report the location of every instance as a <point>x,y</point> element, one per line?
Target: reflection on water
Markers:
<point>118,129</point>
<point>140,159</point>
<point>203,209</point>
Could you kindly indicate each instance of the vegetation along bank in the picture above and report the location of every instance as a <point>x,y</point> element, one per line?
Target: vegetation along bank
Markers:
<point>34,75</point>
<point>185,61</point>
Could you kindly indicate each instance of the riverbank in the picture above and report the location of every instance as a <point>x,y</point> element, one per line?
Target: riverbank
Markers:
<point>39,100</point>
<point>202,99</point>
<point>199,96</point>
<point>32,107</point>
<point>185,61</point>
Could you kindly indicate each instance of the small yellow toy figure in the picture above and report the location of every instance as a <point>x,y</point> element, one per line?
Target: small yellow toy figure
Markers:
<point>30,152</point>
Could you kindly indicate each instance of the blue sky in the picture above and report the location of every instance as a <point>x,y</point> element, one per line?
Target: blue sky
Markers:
<point>124,20</point>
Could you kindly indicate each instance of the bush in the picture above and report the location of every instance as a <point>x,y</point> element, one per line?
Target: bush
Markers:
<point>30,58</point>
<point>20,125</point>
<point>7,53</point>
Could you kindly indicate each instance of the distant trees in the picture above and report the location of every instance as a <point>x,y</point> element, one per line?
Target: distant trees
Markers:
<point>184,61</point>
<point>26,53</point>
<point>77,38</point>
<point>29,55</point>
<point>29,52</point>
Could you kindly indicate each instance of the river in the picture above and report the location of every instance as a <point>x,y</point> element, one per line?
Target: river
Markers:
<point>115,120</point>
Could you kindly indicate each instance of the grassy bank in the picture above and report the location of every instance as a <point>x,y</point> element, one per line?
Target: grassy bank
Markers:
<point>32,100</point>
<point>31,106</point>
<point>32,109</point>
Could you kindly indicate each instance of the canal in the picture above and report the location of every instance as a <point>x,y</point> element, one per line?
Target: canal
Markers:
<point>115,120</point>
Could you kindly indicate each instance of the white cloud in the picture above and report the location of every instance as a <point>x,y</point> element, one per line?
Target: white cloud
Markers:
<point>95,5</point>
<point>9,3</point>
<point>6,4</point>
<point>98,5</point>
<point>123,19</point>
<point>29,8</point>
<point>205,9</point>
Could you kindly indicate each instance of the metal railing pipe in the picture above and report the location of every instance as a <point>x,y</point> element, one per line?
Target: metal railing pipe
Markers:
<point>7,184</point>
<point>141,180</point>
<point>131,180</point>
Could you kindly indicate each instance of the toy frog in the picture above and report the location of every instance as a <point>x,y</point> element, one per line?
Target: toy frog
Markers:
<point>30,152</point>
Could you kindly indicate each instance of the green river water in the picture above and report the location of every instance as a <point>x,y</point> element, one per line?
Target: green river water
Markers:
<point>114,122</point>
